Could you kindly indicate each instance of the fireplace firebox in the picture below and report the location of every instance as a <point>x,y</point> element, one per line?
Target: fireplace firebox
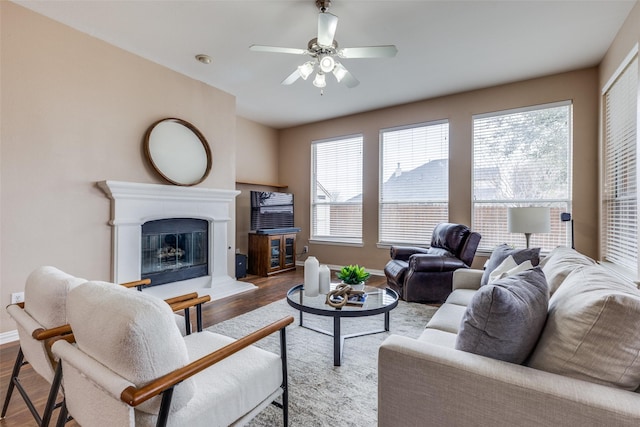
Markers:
<point>174,249</point>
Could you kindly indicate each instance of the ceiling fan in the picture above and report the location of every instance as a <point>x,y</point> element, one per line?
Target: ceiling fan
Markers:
<point>325,53</point>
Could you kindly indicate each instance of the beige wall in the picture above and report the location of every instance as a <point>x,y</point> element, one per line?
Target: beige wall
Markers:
<point>626,39</point>
<point>257,161</point>
<point>74,112</point>
<point>580,86</point>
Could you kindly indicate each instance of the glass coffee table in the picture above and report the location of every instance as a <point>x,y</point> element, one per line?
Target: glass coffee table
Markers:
<point>378,301</point>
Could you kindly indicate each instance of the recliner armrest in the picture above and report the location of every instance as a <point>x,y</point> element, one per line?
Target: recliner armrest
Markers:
<point>404,252</point>
<point>433,263</point>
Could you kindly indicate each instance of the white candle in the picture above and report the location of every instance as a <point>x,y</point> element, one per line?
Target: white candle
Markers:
<point>325,279</point>
<point>311,279</point>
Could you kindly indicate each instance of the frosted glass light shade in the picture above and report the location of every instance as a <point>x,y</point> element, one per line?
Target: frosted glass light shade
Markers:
<point>319,81</point>
<point>327,63</point>
<point>529,220</point>
<point>339,71</point>
<point>305,69</point>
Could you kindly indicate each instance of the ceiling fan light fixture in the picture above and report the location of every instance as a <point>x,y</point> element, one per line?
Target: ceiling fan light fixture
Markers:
<point>339,72</point>
<point>327,63</point>
<point>306,69</point>
<point>319,81</point>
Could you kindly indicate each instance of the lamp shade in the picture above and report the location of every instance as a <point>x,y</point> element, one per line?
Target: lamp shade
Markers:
<point>529,220</point>
<point>319,81</point>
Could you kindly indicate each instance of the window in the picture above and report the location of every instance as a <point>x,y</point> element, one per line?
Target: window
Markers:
<point>414,182</point>
<point>619,242</point>
<point>522,158</point>
<point>336,205</point>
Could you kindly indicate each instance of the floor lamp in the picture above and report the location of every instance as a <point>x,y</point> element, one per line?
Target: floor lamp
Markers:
<point>564,217</point>
<point>529,220</point>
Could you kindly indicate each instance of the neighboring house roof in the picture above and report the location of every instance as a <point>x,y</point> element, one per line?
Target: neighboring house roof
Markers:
<point>429,181</point>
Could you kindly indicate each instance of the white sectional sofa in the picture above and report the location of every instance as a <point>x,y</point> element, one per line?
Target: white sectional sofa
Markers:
<point>584,369</point>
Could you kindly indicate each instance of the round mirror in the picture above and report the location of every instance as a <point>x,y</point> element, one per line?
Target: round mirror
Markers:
<point>178,151</point>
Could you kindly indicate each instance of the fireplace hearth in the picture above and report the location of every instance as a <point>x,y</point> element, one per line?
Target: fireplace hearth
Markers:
<point>135,204</point>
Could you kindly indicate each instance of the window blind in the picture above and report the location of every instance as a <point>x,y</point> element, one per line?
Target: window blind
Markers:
<point>522,158</point>
<point>336,205</point>
<point>414,182</point>
<point>620,174</point>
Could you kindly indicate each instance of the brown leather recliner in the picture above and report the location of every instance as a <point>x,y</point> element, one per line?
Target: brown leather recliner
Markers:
<point>424,275</point>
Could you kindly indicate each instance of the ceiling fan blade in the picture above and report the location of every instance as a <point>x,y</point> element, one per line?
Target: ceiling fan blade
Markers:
<point>388,51</point>
<point>276,49</point>
<point>292,78</point>
<point>327,24</point>
<point>349,81</point>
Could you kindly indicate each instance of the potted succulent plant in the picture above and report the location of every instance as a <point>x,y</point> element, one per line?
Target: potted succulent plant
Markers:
<point>353,275</point>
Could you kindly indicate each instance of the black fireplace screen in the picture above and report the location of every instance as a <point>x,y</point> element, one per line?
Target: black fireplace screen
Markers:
<point>174,249</point>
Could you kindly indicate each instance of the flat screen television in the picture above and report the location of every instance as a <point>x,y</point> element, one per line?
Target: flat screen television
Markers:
<point>271,210</point>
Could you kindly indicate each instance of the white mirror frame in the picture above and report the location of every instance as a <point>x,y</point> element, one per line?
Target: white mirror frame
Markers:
<point>178,151</point>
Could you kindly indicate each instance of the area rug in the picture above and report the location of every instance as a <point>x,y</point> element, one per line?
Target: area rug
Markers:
<point>321,394</point>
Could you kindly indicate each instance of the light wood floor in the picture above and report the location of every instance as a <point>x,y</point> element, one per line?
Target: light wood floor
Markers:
<point>270,289</point>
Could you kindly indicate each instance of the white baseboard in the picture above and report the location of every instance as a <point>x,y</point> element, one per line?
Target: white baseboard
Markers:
<point>9,336</point>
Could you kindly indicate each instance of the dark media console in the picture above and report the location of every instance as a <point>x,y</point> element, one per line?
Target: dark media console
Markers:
<point>283,230</point>
<point>273,252</point>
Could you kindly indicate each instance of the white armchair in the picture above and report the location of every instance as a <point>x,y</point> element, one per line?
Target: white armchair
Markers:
<point>130,366</point>
<point>42,316</point>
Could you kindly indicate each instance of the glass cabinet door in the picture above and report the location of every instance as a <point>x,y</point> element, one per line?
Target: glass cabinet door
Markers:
<point>274,252</point>
<point>289,251</point>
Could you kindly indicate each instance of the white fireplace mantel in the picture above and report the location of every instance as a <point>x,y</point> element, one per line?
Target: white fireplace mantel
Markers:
<point>133,204</point>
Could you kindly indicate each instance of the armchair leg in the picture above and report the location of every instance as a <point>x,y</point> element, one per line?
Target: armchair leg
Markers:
<point>14,374</point>
<point>187,321</point>
<point>14,382</point>
<point>62,416</point>
<point>285,381</point>
<point>199,317</point>
<point>53,394</point>
<point>165,404</point>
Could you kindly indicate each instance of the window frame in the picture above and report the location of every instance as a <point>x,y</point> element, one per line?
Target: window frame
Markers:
<point>628,272</point>
<point>427,232</point>
<point>518,239</point>
<point>314,236</point>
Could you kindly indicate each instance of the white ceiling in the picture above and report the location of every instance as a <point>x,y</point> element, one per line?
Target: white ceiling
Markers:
<point>444,47</point>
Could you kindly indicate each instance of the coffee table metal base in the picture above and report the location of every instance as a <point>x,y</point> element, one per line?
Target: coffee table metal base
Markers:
<point>338,338</point>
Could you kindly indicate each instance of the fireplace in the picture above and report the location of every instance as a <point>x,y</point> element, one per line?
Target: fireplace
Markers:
<point>133,205</point>
<point>174,249</point>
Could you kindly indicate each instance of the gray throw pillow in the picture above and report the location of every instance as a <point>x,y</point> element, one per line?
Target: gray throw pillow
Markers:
<point>505,318</point>
<point>501,252</point>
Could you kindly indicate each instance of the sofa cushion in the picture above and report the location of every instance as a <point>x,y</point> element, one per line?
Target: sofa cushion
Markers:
<point>461,297</point>
<point>592,330</point>
<point>509,267</point>
<point>447,318</point>
<point>505,318</point>
<point>438,337</point>
<point>503,251</point>
<point>560,263</point>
